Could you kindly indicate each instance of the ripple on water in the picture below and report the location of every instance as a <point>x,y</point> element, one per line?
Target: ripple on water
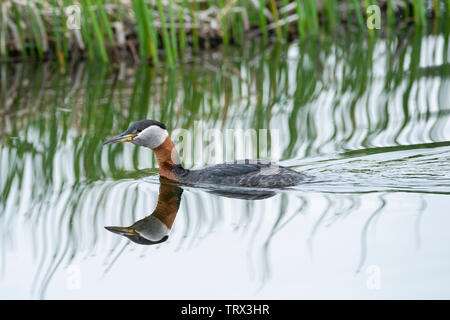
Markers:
<point>418,170</point>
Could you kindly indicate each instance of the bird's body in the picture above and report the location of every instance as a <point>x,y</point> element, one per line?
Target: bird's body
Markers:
<point>245,173</point>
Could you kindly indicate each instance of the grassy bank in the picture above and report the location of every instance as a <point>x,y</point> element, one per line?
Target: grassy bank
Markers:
<point>156,30</point>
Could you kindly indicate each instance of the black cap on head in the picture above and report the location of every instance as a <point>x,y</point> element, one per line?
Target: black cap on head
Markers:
<point>143,124</point>
<point>134,130</point>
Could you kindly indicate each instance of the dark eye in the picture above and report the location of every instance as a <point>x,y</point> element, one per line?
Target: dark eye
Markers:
<point>138,130</point>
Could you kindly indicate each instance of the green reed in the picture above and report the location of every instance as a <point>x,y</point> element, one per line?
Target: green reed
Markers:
<point>3,26</point>
<point>165,35</point>
<point>105,21</point>
<point>173,31</point>
<point>39,28</point>
<point>150,36</point>
<point>301,18</point>
<point>262,19</point>
<point>419,11</point>
<point>96,30</point>
<point>274,10</point>
<point>223,22</point>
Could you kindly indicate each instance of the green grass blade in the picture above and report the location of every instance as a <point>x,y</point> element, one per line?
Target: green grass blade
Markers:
<point>301,18</point>
<point>262,19</point>
<point>19,29</point>
<point>85,28</point>
<point>359,16</point>
<point>419,11</point>
<point>192,9</point>
<point>173,31</point>
<point>97,32</point>
<point>273,8</point>
<point>182,35</point>
<point>223,22</point>
<point>3,46</point>
<point>331,10</point>
<point>57,34</point>
<point>150,33</point>
<point>165,34</point>
<point>390,12</point>
<point>35,30</point>
<point>105,21</point>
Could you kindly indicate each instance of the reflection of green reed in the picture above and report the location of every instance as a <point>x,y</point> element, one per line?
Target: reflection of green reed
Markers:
<point>53,125</point>
<point>94,102</point>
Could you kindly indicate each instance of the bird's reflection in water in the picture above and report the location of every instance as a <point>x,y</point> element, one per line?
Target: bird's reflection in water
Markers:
<point>156,227</point>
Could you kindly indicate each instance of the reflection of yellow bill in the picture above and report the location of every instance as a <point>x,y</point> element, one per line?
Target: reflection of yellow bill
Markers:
<point>126,231</point>
<point>121,138</point>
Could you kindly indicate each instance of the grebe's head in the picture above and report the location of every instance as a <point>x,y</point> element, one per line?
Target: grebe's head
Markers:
<point>146,133</point>
<point>149,230</point>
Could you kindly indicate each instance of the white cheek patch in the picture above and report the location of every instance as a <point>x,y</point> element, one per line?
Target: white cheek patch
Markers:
<point>153,230</point>
<point>151,137</point>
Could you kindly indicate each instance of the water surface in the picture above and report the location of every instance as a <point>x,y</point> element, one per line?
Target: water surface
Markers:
<point>367,117</point>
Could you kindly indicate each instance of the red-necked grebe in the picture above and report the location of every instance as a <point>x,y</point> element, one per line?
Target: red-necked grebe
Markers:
<point>246,173</point>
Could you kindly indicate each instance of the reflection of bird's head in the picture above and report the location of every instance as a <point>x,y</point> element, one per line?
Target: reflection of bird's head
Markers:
<point>155,228</point>
<point>149,230</point>
<point>146,133</point>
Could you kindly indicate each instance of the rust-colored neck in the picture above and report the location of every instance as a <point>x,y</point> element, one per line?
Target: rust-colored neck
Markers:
<point>168,204</point>
<point>166,156</point>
